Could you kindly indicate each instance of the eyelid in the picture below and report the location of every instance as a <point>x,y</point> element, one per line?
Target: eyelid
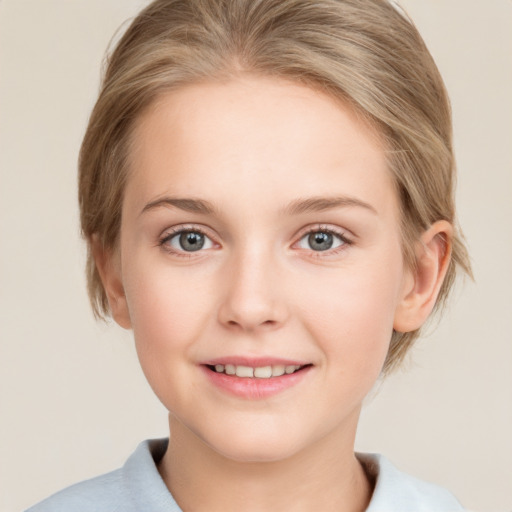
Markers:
<point>345,235</point>
<point>327,228</point>
<point>171,232</point>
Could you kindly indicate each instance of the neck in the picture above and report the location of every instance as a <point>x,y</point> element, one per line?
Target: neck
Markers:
<point>326,476</point>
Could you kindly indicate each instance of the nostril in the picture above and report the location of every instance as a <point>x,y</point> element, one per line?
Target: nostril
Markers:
<point>248,326</point>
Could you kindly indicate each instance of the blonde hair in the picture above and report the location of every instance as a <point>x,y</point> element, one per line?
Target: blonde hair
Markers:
<point>365,52</point>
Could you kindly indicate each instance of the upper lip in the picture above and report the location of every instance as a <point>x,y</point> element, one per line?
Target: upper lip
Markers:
<point>254,362</point>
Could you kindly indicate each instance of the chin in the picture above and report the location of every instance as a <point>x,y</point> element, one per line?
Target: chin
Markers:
<point>254,446</point>
<point>255,453</point>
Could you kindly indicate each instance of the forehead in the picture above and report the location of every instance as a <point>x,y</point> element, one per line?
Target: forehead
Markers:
<point>253,134</point>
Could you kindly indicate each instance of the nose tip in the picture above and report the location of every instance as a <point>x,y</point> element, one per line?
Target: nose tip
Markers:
<point>253,300</point>
<point>248,321</point>
<point>250,312</point>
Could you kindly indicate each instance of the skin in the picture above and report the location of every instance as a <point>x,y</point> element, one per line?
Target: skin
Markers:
<point>252,149</point>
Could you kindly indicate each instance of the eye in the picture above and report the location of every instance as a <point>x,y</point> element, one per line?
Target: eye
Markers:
<point>322,240</point>
<point>187,240</point>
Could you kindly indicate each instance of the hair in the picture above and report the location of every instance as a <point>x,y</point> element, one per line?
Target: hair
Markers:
<point>365,52</point>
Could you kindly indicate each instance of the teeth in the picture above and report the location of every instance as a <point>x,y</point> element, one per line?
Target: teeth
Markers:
<point>244,371</point>
<point>278,370</point>
<point>261,372</point>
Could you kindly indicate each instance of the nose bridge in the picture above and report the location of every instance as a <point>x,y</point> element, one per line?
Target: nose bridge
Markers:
<point>252,296</point>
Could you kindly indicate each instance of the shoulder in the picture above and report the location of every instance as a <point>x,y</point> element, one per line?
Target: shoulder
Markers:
<point>135,486</point>
<point>101,493</point>
<point>395,490</point>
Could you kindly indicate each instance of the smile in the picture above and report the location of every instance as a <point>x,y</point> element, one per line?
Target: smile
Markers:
<point>260,372</point>
<point>253,379</point>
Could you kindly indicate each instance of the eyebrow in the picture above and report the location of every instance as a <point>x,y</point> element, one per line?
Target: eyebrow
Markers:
<point>186,204</point>
<point>299,206</point>
<point>318,204</point>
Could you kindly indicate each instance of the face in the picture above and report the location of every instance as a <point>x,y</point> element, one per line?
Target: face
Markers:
<point>260,237</point>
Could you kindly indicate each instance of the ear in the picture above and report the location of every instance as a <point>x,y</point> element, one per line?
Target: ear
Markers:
<point>422,284</point>
<point>108,263</point>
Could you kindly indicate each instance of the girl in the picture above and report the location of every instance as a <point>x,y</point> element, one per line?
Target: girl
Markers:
<point>266,191</point>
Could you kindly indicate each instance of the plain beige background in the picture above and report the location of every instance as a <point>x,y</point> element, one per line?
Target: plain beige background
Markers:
<point>73,400</point>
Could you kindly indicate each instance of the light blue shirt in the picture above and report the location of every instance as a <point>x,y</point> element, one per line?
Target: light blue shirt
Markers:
<point>138,487</point>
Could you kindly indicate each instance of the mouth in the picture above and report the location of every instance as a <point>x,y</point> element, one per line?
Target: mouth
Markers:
<point>253,379</point>
<point>258,372</point>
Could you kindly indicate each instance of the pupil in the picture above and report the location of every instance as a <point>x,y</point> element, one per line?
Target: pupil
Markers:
<point>320,241</point>
<point>191,241</point>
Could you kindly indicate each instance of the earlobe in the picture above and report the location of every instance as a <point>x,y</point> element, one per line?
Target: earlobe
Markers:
<point>108,263</point>
<point>422,287</point>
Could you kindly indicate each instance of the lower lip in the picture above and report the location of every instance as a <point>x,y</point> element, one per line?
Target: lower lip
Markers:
<point>254,388</point>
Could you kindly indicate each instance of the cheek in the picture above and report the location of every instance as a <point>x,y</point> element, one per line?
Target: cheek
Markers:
<point>168,310</point>
<point>351,312</point>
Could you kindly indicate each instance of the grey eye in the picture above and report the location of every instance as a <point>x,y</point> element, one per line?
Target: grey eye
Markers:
<point>190,241</point>
<point>321,241</point>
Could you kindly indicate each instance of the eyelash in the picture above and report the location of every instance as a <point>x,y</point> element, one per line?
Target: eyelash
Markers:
<point>320,228</point>
<point>173,232</point>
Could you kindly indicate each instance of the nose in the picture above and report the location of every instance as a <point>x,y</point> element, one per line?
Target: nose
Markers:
<point>254,297</point>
